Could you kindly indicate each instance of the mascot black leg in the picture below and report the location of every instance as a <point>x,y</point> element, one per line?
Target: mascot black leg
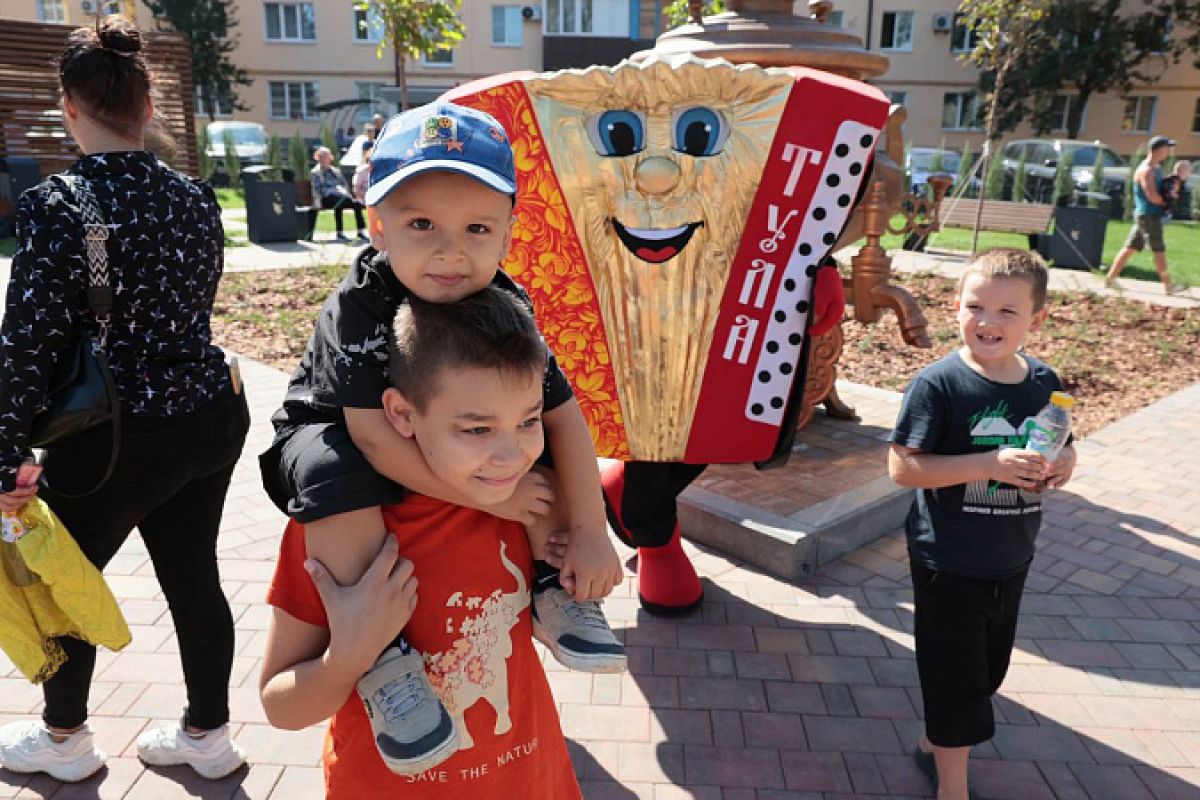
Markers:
<point>640,498</point>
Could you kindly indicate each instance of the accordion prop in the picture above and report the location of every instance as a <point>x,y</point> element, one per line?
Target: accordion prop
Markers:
<point>671,216</point>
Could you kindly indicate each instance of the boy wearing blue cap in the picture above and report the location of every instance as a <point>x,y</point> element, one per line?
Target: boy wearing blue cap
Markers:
<point>440,200</point>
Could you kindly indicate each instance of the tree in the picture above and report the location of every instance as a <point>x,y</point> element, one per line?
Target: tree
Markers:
<point>233,165</point>
<point>1096,184</point>
<point>1064,182</point>
<point>993,180</point>
<point>1007,32</point>
<point>1088,48</point>
<point>678,12</point>
<point>274,154</point>
<point>208,26</point>
<point>414,28</point>
<point>298,157</point>
<point>330,141</point>
<point>962,181</point>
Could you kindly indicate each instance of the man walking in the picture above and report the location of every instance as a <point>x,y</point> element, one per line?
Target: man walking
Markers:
<point>1149,206</point>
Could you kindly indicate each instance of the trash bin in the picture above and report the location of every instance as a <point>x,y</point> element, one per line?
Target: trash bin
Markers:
<point>1077,241</point>
<point>270,206</point>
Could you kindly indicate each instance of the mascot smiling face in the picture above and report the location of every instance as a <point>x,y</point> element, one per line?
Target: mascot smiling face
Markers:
<point>671,217</point>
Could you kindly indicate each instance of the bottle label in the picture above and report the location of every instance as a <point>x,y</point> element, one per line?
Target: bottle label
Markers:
<point>1040,439</point>
<point>11,526</point>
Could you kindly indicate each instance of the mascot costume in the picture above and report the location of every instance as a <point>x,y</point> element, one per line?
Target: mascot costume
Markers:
<point>674,219</point>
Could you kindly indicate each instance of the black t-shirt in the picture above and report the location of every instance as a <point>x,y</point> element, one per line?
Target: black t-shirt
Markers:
<point>984,529</point>
<point>345,364</point>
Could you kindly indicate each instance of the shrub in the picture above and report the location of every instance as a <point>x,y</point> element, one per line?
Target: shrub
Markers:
<point>233,167</point>
<point>1064,183</point>
<point>962,181</point>
<point>205,163</point>
<point>274,154</point>
<point>298,156</point>
<point>993,182</point>
<point>1020,178</point>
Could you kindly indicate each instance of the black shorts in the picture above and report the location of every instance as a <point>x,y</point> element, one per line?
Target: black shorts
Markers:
<point>965,629</point>
<point>315,471</point>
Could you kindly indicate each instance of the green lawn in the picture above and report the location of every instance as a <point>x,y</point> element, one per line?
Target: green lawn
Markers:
<point>1182,239</point>
<point>231,198</point>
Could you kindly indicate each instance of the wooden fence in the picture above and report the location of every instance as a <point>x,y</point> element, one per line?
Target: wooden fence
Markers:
<point>30,117</point>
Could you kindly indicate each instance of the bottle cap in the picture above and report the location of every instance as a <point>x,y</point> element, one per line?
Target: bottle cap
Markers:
<point>1062,400</point>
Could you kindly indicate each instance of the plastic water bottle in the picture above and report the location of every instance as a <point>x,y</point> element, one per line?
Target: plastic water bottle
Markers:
<point>11,529</point>
<point>1050,429</point>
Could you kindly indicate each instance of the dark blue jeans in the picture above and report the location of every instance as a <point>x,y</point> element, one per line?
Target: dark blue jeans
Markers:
<point>170,483</point>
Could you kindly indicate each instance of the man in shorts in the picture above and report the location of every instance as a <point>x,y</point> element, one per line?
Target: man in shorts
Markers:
<point>1149,206</point>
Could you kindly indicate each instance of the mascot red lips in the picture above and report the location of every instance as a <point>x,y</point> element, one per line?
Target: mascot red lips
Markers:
<point>655,245</point>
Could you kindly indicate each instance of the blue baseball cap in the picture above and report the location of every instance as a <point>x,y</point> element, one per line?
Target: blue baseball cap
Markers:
<point>446,137</point>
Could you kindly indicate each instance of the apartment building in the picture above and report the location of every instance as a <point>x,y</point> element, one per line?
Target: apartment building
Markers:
<point>302,55</point>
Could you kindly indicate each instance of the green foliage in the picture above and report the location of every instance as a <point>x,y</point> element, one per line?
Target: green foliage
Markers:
<point>207,25</point>
<point>274,154</point>
<point>676,13</point>
<point>206,165</point>
<point>1096,184</point>
<point>962,181</point>
<point>298,157</point>
<point>233,167</point>
<point>993,181</point>
<point>1020,179</point>
<point>330,141</point>
<point>937,163</point>
<point>413,28</point>
<point>1064,183</point>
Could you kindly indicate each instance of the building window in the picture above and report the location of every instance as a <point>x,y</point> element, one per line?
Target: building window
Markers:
<point>1196,117</point>
<point>960,111</point>
<point>587,17</point>
<point>224,103</point>
<point>371,102</point>
<point>290,22</point>
<point>837,18</point>
<point>897,97</point>
<point>507,25</point>
<point>438,58</point>
<point>1059,112</point>
<point>368,25</point>
<point>1139,115</point>
<point>294,100</point>
<point>52,11</point>
<point>897,30</point>
<point>963,38</point>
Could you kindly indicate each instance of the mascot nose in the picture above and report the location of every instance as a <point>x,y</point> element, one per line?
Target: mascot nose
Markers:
<point>657,175</point>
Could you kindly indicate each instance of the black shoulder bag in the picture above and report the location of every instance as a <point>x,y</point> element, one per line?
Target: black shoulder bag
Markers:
<point>82,393</point>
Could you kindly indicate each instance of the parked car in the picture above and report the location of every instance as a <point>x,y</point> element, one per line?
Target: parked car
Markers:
<point>249,142</point>
<point>1041,163</point>
<point>921,162</point>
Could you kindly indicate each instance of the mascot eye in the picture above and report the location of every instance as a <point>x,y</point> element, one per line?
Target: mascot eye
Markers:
<point>698,131</point>
<point>617,133</point>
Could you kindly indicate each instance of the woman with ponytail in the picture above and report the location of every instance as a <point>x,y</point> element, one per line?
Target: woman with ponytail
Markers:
<point>183,418</point>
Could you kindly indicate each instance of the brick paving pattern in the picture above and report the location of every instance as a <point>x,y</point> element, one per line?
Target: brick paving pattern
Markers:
<point>773,691</point>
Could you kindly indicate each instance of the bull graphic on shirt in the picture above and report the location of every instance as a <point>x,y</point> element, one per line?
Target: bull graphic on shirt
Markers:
<point>475,666</point>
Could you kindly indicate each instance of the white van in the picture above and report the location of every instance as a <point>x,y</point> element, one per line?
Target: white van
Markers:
<point>249,142</point>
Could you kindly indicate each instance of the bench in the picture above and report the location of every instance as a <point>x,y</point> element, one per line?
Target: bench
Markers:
<point>1003,216</point>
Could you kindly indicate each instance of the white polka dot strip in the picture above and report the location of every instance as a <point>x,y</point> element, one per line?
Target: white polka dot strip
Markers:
<point>843,172</point>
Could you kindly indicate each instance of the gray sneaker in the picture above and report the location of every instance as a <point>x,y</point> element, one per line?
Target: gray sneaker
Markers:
<point>412,728</point>
<point>576,632</point>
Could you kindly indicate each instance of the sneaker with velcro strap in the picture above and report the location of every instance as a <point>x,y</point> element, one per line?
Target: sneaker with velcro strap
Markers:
<point>576,632</point>
<point>413,731</point>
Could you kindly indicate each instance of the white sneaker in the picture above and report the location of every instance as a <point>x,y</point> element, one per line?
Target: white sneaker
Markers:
<point>213,755</point>
<point>27,747</point>
<point>413,730</point>
<point>576,632</point>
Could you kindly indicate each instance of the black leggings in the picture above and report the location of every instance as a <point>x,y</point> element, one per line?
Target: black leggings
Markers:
<point>170,483</point>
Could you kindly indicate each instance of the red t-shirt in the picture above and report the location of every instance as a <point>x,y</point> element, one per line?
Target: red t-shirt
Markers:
<point>472,624</point>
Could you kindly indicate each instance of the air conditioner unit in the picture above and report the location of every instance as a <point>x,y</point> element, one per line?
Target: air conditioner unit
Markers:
<point>532,13</point>
<point>943,22</point>
<point>88,6</point>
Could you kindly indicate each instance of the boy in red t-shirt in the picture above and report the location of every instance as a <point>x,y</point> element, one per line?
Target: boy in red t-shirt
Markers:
<point>467,388</point>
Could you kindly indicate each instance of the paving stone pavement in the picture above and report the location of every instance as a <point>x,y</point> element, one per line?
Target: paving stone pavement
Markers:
<point>773,691</point>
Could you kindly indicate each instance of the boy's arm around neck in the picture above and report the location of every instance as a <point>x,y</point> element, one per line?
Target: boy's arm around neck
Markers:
<point>396,457</point>
<point>591,567</point>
